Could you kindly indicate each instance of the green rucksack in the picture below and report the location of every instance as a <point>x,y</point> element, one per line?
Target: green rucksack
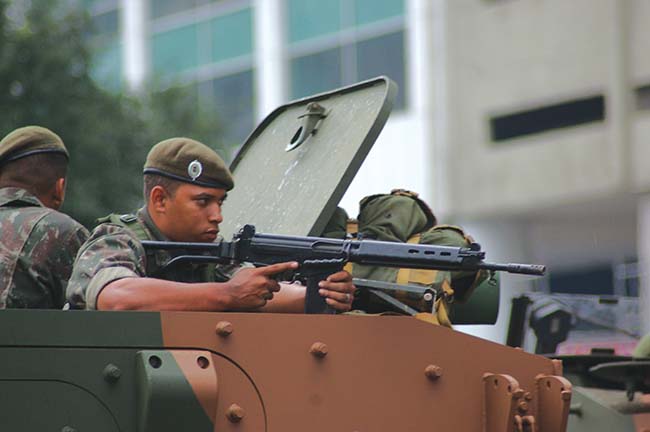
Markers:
<point>402,216</point>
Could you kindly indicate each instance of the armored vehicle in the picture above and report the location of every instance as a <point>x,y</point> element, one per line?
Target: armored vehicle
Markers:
<point>171,371</point>
<point>610,393</point>
<point>609,389</point>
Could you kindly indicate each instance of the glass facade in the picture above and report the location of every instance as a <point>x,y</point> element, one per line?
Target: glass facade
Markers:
<point>369,11</point>
<point>231,96</point>
<point>175,51</point>
<point>311,18</point>
<point>231,35</point>
<point>160,8</point>
<point>106,67</point>
<point>315,73</point>
<point>209,43</point>
<point>339,42</point>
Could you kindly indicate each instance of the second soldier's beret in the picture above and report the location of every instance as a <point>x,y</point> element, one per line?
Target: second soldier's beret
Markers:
<point>189,161</point>
<point>28,141</point>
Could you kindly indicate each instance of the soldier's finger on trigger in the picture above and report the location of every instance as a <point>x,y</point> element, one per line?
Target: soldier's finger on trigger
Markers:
<point>277,268</point>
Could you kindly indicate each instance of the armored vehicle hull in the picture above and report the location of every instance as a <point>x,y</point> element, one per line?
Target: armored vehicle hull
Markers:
<point>595,409</point>
<point>608,393</point>
<point>139,371</point>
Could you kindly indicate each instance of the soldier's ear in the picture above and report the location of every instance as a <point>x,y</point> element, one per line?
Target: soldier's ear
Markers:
<point>58,194</point>
<point>158,199</point>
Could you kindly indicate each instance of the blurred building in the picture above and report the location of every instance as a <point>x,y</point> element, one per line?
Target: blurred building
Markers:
<point>248,56</point>
<point>524,120</point>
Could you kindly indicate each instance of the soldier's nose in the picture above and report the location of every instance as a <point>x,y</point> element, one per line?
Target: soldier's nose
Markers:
<point>216,217</point>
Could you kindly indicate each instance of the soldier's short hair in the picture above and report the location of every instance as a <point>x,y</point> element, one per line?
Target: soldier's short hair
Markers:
<point>36,173</point>
<point>152,180</point>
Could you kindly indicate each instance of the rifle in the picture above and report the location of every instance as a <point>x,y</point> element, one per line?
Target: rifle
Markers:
<point>320,257</point>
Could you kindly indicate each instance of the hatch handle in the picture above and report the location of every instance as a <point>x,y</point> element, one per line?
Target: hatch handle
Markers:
<point>310,119</point>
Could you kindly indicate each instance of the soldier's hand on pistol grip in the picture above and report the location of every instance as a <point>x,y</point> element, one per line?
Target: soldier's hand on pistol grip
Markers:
<point>251,288</point>
<point>338,290</point>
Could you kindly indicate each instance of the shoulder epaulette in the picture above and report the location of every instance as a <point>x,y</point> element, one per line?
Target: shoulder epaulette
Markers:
<point>128,218</point>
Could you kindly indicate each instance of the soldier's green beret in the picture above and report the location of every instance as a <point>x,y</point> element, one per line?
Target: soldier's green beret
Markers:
<point>30,140</point>
<point>189,161</point>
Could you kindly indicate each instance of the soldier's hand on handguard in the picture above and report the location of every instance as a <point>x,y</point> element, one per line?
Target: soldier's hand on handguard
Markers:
<point>338,290</point>
<point>251,288</point>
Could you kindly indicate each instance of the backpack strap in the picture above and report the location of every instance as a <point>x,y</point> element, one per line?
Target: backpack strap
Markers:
<point>407,276</point>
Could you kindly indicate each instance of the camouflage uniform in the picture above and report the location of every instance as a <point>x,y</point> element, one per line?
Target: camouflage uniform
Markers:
<point>38,248</point>
<point>114,252</point>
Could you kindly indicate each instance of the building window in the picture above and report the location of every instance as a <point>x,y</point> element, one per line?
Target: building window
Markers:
<point>333,43</point>
<point>312,18</point>
<point>642,97</point>
<point>175,51</point>
<point>551,117</point>
<point>231,96</point>
<point>315,73</point>
<point>619,279</point>
<point>231,35</point>
<point>160,8</point>
<point>208,43</point>
<point>594,281</point>
<point>104,40</point>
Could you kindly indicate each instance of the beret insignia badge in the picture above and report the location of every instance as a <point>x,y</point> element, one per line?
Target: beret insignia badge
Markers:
<point>194,169</point>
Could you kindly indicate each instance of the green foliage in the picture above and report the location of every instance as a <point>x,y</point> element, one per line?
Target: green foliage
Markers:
<point>45,65</point>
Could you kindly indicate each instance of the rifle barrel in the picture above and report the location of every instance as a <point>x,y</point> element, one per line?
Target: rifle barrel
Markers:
<point>530,269</point>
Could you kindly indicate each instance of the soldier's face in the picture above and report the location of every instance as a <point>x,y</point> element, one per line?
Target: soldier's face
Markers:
<point>193,213</point>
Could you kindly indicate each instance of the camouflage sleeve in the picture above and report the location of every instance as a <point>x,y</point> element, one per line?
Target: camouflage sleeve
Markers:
<point>45,263</point>
<point>225,272</point>
<point>112,252</point>
<point>62,262</point>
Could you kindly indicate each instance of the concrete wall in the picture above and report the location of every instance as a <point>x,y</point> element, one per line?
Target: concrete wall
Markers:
<point>502,240</point>
<point>639,36</point>
<point>566,243</point>
<point>567,239</point>
<point>565,198</point>
<point>510,56</point>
